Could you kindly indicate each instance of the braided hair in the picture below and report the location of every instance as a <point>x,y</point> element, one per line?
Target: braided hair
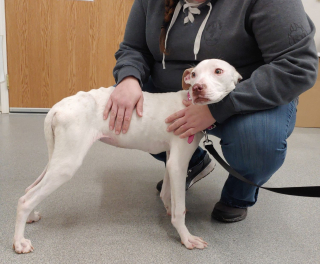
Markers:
<point>170,6</point>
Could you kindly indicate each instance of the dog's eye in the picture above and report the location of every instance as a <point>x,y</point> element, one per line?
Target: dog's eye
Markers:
<point>218,71</point>
<point>193,74</point>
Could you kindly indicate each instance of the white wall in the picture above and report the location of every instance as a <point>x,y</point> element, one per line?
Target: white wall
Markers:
<point>312,8</point>
<point>4,97</point>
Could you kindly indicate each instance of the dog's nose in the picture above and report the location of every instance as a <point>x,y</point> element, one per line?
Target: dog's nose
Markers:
<point>198,87</point>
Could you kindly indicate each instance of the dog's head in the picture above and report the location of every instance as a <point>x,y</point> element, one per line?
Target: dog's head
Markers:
<point>210,81</point>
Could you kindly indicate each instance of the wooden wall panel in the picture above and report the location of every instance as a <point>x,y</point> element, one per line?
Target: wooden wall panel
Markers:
<point>59,47</point>
<point>308,114</point>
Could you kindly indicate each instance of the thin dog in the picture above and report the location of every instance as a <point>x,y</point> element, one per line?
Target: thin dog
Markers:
<point>75,123</point>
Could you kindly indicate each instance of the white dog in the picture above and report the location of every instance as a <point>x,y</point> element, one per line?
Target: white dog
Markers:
<point>76,122</point>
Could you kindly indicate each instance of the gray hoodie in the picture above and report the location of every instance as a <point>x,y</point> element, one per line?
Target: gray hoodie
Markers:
<point>270,43</point>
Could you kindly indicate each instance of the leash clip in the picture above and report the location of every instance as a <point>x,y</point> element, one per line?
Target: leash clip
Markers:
<point>206,141</point>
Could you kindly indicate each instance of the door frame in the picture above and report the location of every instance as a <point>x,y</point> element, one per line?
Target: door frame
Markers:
<point>4,93</point>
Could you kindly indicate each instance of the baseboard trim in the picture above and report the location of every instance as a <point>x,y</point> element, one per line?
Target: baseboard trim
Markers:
<point>28,110</point>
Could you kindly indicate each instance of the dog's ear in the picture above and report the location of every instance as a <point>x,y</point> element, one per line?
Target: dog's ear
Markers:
<point>186,79</point>
<point>237,77</point>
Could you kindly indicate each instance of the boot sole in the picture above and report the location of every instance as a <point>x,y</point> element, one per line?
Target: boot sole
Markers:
<point>220,218</point>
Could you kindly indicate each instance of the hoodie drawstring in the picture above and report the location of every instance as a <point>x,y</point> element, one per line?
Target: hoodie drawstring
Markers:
<point>199,35</point>
<point>173,20</point>
<point>192,10</point>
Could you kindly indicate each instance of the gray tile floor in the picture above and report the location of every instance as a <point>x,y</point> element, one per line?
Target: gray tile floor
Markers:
<point>110,211</point>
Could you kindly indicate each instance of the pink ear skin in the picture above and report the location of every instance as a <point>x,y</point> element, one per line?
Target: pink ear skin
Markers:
<point>186,78</point>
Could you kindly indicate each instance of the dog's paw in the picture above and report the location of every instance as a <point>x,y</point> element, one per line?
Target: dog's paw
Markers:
<point>33,217</point>
<point>23,246</point>
<point>191,242</point>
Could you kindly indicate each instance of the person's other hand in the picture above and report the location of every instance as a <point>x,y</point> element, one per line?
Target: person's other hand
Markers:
<point>191,120</point>
<point>123,99</point>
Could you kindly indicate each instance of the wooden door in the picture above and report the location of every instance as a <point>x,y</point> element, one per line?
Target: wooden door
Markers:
<point>59,47</point>
<point>308,114</point>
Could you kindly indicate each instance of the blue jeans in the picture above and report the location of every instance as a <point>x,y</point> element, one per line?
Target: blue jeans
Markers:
<point>255,145</point>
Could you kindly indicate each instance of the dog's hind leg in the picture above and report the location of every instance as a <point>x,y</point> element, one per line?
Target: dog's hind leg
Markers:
<point>71,146</point>
<point>37,180</point>
<point>49,135</point>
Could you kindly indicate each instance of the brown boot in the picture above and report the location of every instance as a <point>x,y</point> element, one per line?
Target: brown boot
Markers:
<point>228,214</point>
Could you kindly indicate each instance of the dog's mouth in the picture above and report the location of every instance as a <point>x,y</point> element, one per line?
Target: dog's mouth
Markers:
<point>199,97</point>
<point>200,100</point>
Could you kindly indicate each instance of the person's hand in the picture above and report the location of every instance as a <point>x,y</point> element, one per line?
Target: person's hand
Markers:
<point>123,99</point>
<point>191,120</point>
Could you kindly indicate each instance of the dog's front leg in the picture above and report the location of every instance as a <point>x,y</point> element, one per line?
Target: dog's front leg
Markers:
<point>165,194</point>
<point>177,166</point>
